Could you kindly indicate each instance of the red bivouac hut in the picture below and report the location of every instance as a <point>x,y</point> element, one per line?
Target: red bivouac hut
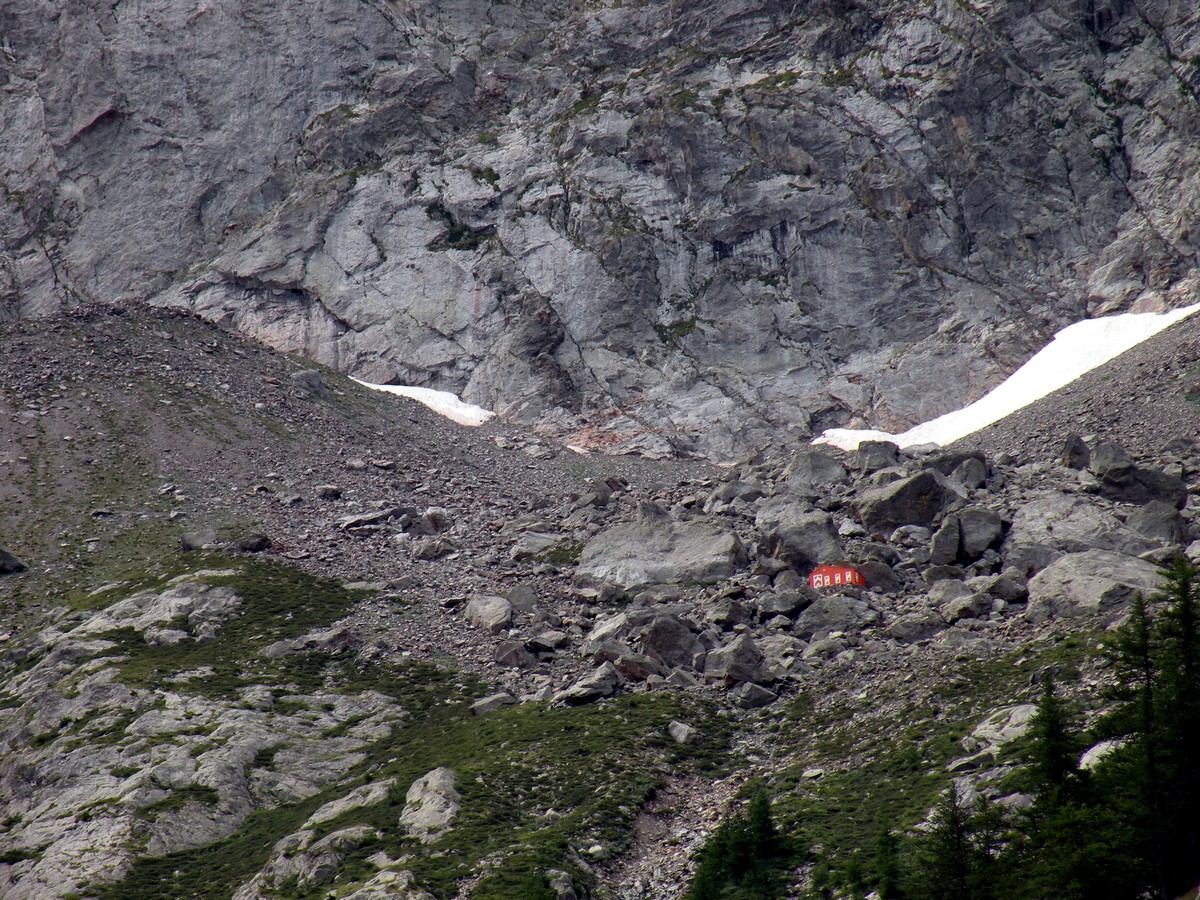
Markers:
<point>836,576</point>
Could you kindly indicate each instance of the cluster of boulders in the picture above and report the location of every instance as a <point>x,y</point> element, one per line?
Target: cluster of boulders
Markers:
<point>704,584</point>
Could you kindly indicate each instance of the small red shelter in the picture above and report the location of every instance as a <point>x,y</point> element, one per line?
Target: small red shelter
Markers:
<point>836,576</point>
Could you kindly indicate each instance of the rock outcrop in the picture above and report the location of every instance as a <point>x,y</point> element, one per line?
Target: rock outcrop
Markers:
<point>431,804</point>
<point>646,226</point>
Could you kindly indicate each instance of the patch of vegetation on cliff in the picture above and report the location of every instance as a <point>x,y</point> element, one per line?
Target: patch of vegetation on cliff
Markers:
<point>457,236</point>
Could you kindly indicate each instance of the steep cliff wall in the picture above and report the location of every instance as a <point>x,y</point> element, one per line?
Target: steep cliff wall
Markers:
<point>689,227</point>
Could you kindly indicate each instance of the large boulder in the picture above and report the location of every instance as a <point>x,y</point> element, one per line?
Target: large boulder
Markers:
<point>954,601</point>
<point>811,472</point>
<point>668,641</point>
<point>608,628</point>
<point>1108,460</point>
<point>430,804</point>
<point>1157,521</point>
<point>1138,485</point>
<point>739,660</point>
<point>837,613</point>
<point>978,529</point>
<point>490,613</point>
<point>633,666</point>
<point>943,547</point>
<point>1121,480</point>
<point>871,456</point>
<point>1075,453</point>
<point>917,626</point>
<point>599,684</point>
<point>917,500</point>
<point>803,536</point>
<point>1053,523</point>
<point>656,549</point>
<point>1088,583</point>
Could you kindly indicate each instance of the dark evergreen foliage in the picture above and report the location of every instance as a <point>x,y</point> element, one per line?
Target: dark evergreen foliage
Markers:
<point>742,859</point>
<point>1127,828</point>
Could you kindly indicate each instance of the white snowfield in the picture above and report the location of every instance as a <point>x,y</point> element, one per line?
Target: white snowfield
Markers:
<point>443,402</point>
<point>1075,350</point>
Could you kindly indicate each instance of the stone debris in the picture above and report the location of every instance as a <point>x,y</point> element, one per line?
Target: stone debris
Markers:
<point>635,579</point>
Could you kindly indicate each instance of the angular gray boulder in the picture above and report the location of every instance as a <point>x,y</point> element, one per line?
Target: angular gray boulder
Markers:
<point>492,614</point>
<point>668,641</point>
<point>978,529</point>
<point>917,500</point>
<point>656,549</point>
<point>1121,479</point>
<point>9,564</point>
<point>837,613</point>
<point>1053,523</point>
<point>811,472</point>
<point>599,684</point>
<point>803,536</point>
<point>739,660</point>
<point>431,804</point>
<point>1090,583</point>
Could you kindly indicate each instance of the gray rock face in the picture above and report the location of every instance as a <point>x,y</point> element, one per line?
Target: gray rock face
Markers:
<point>1002,726</point>
<point>1095,581</point>
<point>659,550</point>
<point>169,742</point>
<point>299,860</point>
<point>535,205</point>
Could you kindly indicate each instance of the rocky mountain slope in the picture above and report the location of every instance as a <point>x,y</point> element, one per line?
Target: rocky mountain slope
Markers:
<point>672,228</point>
<point>267,633</point>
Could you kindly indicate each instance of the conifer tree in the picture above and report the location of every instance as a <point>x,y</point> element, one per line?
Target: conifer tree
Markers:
<point>945,857</point>
<point>1053,745</point>
<point>739,860</point>
<point>1175,735</point>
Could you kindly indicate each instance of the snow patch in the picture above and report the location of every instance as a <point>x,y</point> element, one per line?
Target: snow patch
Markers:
<point>1075,350</point>
<point>442,402</point>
